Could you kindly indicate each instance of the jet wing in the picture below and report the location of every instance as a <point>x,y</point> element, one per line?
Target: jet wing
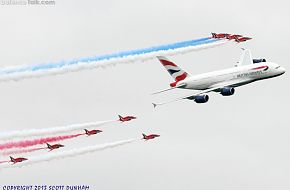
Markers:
<point>192,96</point>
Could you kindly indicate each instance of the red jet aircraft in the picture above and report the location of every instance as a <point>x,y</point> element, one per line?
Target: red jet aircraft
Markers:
<point>54,146</point>
<point>233,36</point>
<point>222,35</point>
<point>127,118</point>
<point>148,137</point>
<point>243,39</point>
<point>17,160</point>
<point>92,132</point>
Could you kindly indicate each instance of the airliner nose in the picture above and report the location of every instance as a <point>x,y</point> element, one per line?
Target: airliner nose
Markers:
<point>283,70</point>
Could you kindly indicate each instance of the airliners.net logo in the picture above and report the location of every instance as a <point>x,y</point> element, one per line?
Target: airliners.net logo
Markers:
<point>27,2</point>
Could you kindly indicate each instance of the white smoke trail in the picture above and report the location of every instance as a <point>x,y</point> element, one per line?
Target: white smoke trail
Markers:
<point>22,72</point>
<point>70,153</point>
<point>51,131</point>
<point>21,151</point>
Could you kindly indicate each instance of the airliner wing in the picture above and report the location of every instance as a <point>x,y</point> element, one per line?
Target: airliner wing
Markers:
<point>246,58</point>
<point>192,96</point>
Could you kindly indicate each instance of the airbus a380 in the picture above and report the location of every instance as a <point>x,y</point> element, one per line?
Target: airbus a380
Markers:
<point>246,71</point>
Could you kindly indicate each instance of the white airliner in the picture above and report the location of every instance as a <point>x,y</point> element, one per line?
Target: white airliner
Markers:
<point>246,71</point>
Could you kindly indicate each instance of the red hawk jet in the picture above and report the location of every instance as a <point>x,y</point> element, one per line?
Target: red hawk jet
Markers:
<point>233,36</point>
<point>92,132</point>
<point>243,39</point>
<point>148,137</point>
<point>222,35</point>
<point>54,146</point>
<point>126,118</point>
<point>17,160</point>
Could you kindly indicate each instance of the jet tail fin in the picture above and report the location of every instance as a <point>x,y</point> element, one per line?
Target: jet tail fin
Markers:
<point>176,72</point>
<point>87,132</point>
<point>144,136</point>
<point>120,117</point>
<point>11,159</point>
<point>246,58</point>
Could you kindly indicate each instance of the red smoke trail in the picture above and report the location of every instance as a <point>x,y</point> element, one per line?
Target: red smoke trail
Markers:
<point>19,151</point>
<point>27,143</point>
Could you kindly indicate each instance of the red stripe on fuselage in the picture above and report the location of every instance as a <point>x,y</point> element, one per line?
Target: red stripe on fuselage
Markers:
<point>165,62</point>
<point>261,67</point>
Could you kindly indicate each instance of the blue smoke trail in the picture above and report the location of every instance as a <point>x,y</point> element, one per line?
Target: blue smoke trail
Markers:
<point>30,69</point>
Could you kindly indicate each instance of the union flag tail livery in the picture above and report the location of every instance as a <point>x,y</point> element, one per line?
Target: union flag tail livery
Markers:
<point>126,118</point>
<point>17,160</point>
<point>148,137</point>
<point>176,72</point>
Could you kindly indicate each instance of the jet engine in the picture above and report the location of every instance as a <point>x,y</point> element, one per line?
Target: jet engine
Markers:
<point>201,98</point>
<point>227,91</point>
<point>259,60</point>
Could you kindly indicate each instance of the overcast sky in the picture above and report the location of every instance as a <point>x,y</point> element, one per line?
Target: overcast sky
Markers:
<point>238,142</point>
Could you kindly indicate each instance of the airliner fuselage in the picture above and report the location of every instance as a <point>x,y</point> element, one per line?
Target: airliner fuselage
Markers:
<point>236,76</point>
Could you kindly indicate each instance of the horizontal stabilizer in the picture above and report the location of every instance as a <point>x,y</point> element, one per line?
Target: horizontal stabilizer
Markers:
<point>179,86</point>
